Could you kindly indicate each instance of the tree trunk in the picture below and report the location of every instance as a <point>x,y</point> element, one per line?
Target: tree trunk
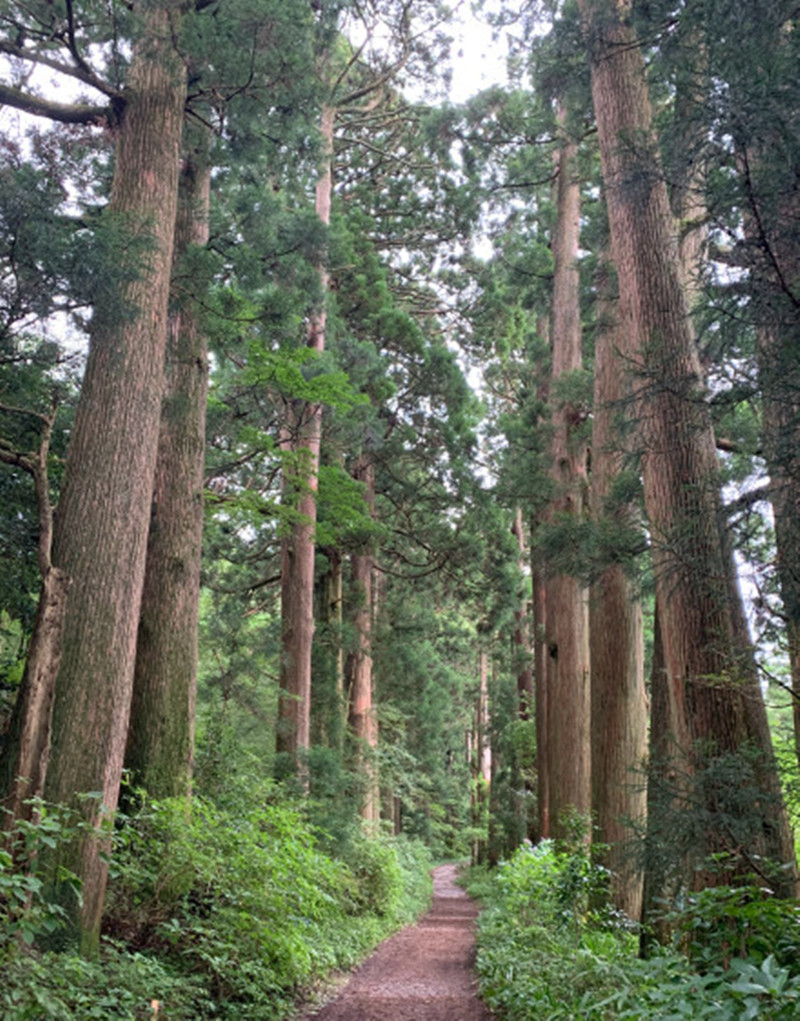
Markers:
<point>541,657</point>
<point>102,521</point>
<point>523,656</point>
<point>25,747</point>
<point>522,643</point>
<point>329,709</point>
<point>773,250</point>
<point>779,379</point>
<point>481,754</point>
<point>541,700</point>
<point>619,701</point>
<point>714,703</point>
<point>363,722</point>
<point>301,441</point>
<point>568,746</point>
<point>160,749</point>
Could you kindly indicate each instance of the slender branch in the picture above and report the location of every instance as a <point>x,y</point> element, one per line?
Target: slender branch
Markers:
<point>64,113</point>
<point>82,72</point>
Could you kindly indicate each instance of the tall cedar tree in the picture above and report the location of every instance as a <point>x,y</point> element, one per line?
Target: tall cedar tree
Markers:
<point>300,441</point>
<point>619,700</point>
<point>358,670</point>
<point>160,744</point>
<point>103,515</point>
<point>100,530</point>
<point>713,700</point>
<point>567,739</point>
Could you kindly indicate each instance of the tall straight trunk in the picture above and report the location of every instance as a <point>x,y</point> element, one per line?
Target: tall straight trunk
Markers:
<point>773,250</point>
<point>619,700</point>
<point>25,747</point>
<point>521,638</point>
<point>363,721</point>
<point>568,747</point>
<point>481,754</point>
<point>101,526</point>
<point>779,379</point>
<point>541,700</point>
<point>523,657</point>
<point>329,709</point>
<point>160,749</point>
<point>541,657</point>
<point>713,699</point>
<point>301,442</point>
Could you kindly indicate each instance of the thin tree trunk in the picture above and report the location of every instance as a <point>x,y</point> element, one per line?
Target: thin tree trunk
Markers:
<point>774,254</point>
<point>619,700</point>
<point>363,721</point>
<point>779,378</point>
<point>301,441</point>
<point>522,642</point>
<point>481,759</point>
<point>100,536</point>
<point>524,666</point>
<point>713,697</point>
<point>26,744</point>
<point>541,699</point>
<point>329,708</point>
<point>160,749</point>
<point>568,747</point>
<point>541,656</point>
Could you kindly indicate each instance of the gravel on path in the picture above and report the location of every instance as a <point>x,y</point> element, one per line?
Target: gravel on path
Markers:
<point>424,973</point>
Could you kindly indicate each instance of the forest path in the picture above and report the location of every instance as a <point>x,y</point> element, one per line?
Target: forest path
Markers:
<point>424,973</point>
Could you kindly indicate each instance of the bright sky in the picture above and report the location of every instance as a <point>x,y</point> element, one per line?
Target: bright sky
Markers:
<point>478,59</point>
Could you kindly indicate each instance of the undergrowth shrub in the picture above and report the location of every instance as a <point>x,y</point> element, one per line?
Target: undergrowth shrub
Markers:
<point>249,901</point>
<point>545,954</point>
<point>212,913</point>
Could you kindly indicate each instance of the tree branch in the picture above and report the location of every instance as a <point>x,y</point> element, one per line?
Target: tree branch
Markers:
<point>64,113</point>
<point>82,72</point>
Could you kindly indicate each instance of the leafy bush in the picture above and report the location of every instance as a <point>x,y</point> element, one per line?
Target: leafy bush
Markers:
<point>25,912</point>
<point>545,955</point>
<point>120,985</point>
<point>725,922</point>
<point>211,912</point>
<point>543,951</point>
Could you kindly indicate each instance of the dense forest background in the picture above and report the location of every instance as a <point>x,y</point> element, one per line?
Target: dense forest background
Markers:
<point>385,477</point>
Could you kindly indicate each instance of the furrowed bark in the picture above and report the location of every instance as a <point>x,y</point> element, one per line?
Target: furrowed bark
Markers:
<point>160,746</point>
<point>101,526</point>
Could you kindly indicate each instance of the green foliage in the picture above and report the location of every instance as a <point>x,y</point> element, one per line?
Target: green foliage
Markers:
<point>119,985</point>
<point>25,910</point>
<point>248,899</point>
<point>212,912</point>
<point>544,955</point>
<point>719,924</point>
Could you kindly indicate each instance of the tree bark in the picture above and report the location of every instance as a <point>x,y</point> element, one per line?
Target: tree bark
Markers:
<point>619,700</point>
<point>523,655</point>
<point>541,657</point>
<point>329,708</point>
<point>101,526</point>
<point>714,703</point>
<point>363,721</point>
<point>568,747</point>
<point>160,748</point>
<point>301,441</point>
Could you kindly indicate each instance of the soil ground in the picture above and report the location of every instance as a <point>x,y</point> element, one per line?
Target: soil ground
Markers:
<point>424,973</point>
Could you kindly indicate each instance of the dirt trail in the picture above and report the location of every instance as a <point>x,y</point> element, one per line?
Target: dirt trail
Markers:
<point>424,973</point>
